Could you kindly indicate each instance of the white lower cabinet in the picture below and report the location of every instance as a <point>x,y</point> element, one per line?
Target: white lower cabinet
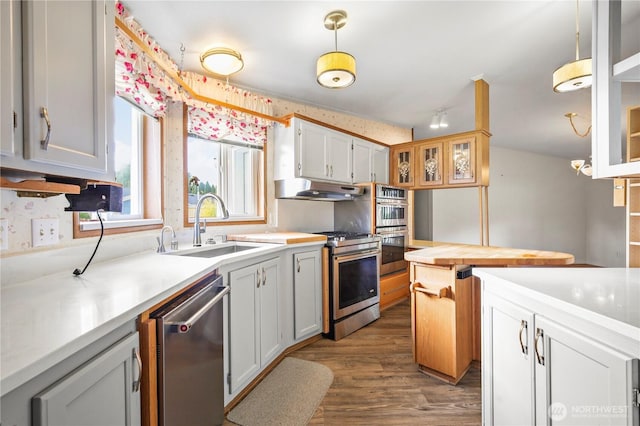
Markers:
<point>254,329</point>
<point>538,371</point>
<point>105,391</point>
<point>307,294</point>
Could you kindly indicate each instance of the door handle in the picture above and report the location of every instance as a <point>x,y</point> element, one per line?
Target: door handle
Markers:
<point>44,143</point>
<point>136,357</point>
<point>539,356</point>
<point>298,260</point>
<point>523,328</point>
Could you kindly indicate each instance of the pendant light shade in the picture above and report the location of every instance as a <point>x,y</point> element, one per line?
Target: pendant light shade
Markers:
<point>577,74</point>
<point>222,61</point>
<point>336,69</point>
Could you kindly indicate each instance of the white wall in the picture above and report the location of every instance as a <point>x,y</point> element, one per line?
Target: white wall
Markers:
<point>536,202</point>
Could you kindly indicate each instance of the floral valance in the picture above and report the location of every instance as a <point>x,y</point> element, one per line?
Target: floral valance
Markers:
<point>142,81</point>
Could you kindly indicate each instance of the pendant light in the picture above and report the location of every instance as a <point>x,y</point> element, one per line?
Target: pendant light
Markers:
<point>577,74</point>
<point>336,69</point>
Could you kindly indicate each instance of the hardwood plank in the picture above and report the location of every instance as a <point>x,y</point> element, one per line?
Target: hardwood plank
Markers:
<point>377,382</point>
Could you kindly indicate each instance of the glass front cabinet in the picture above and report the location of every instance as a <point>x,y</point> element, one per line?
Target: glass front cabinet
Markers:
<point>461,157</point>
<point>430,167</point>
<point>402,166</point>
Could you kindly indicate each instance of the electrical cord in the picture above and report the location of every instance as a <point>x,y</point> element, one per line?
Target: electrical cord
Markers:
<point>77,271</point>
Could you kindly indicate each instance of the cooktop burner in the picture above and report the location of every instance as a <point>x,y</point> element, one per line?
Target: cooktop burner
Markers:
<point>342,238</point>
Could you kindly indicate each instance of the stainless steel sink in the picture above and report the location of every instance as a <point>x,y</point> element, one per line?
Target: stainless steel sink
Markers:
<point>216,250</point>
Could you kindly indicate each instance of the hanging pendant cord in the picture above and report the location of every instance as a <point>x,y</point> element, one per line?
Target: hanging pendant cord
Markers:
<point>577,30</point>
<point>335,33</point>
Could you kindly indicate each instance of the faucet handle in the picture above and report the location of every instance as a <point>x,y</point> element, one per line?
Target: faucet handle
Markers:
<point>174,244</point>
<point>161,245</point>
<point>203,228</point>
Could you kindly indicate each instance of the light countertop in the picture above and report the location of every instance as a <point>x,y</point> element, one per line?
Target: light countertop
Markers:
<point>438,253</point>
<point>608,296</point>
<point>45,320</point>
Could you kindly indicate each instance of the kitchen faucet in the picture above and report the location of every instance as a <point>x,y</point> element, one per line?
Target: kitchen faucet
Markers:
<point>174,240</point>
<point>197,241</point>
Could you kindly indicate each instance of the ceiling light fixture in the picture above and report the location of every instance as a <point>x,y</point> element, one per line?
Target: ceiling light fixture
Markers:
<point>222,61</point>
<point>570,116</point>
<point>577,74</point>
<point>336,69</point>
<point>439,120</point>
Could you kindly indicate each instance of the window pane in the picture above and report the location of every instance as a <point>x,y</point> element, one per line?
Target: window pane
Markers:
<point>227,170</point>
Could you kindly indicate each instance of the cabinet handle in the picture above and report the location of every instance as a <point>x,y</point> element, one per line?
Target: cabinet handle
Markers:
<point>374,177</point>
<point>539,334</point>
<point>258,278</point>
<point>298,260</point>
<point>331,168</point>
<point>264,278</point>
<point>44,143</point>
<point>523,326</point>
<point>326,170</point>
<point>436,292</point>
<point>136,356</point>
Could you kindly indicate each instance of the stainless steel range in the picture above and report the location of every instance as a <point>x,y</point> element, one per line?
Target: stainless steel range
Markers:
<point>353,281</point>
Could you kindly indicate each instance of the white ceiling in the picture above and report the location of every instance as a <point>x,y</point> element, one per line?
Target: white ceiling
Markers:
<point>413,57</point>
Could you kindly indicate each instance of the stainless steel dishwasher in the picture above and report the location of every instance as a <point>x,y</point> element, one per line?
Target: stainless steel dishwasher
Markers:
<point>190,356</point>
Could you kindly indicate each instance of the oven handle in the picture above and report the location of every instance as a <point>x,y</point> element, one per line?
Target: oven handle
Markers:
<point>357,255</point>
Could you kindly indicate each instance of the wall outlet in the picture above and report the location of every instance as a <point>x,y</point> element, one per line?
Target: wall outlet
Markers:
<point>44,232</point>
<point>4,234</point>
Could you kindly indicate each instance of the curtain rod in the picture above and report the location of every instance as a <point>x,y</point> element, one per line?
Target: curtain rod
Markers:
<point>134,38</point>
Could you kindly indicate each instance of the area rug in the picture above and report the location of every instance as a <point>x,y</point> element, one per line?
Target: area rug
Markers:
<point>289,395</point>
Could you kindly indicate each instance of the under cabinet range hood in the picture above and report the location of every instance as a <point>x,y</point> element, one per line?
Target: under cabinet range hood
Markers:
<point>305,189</point>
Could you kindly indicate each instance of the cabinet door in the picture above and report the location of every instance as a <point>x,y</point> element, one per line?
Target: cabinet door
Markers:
<point>362,159</point>
<point>307,294</point>
<point>429,166</point>
<point>402,166</point>
<point>339,157</point>
<point>311,141</point>
<point>99,393</point>
<point>507,371</point>
<point>68,82</point>
<point>10,80</point>
<point>381,164</point>
<point>461,158</point>
<point>580,381</point>
<point>244,355</point>
<point>270,341</point>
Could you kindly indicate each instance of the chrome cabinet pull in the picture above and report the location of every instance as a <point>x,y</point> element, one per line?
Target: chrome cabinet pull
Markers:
<point>298,260</point>
<point>326,170</point>
<point>539,334</point>
<point>136,357</point>
<point>524,348</point>
<point>44,143</point>
<point>331,168</point>
<point>264,278</point>
<point>258,278</point>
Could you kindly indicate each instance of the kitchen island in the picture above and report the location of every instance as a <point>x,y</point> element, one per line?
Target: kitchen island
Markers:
<point>445,300</point>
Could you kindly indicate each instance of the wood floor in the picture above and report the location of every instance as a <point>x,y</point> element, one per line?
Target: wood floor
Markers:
<point>376,382</point>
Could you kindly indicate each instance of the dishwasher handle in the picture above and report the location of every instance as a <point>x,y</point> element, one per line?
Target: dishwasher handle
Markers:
<point>185,326</point>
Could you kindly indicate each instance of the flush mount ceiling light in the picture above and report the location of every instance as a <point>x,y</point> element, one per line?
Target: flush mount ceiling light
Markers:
<point>439,120</point>
<point>336,69</point>
<point>577,74</point>
<point>580,166</point>
<point>222,61</point>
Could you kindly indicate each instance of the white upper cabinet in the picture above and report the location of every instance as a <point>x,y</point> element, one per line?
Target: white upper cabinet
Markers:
<point>309,150</point>
<point>10,80</point>
<point>68,88</point>
<point>380,163</point>
<point>611,69</point>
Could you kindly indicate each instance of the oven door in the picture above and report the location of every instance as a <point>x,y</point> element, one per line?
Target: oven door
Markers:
<point>394,243</point>
<point>356,282</point>
<point>391,214</point>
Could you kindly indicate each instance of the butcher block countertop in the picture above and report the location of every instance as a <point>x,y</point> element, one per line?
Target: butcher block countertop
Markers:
<point>278,237</point>
<point>437,253</point>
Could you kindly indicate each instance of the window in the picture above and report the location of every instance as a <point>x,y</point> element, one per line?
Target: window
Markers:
<point>137,167</point>
<point>232,170</point>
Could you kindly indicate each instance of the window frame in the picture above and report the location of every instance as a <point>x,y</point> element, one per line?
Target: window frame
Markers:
<point>152,184</point>
<point>261,203</point>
